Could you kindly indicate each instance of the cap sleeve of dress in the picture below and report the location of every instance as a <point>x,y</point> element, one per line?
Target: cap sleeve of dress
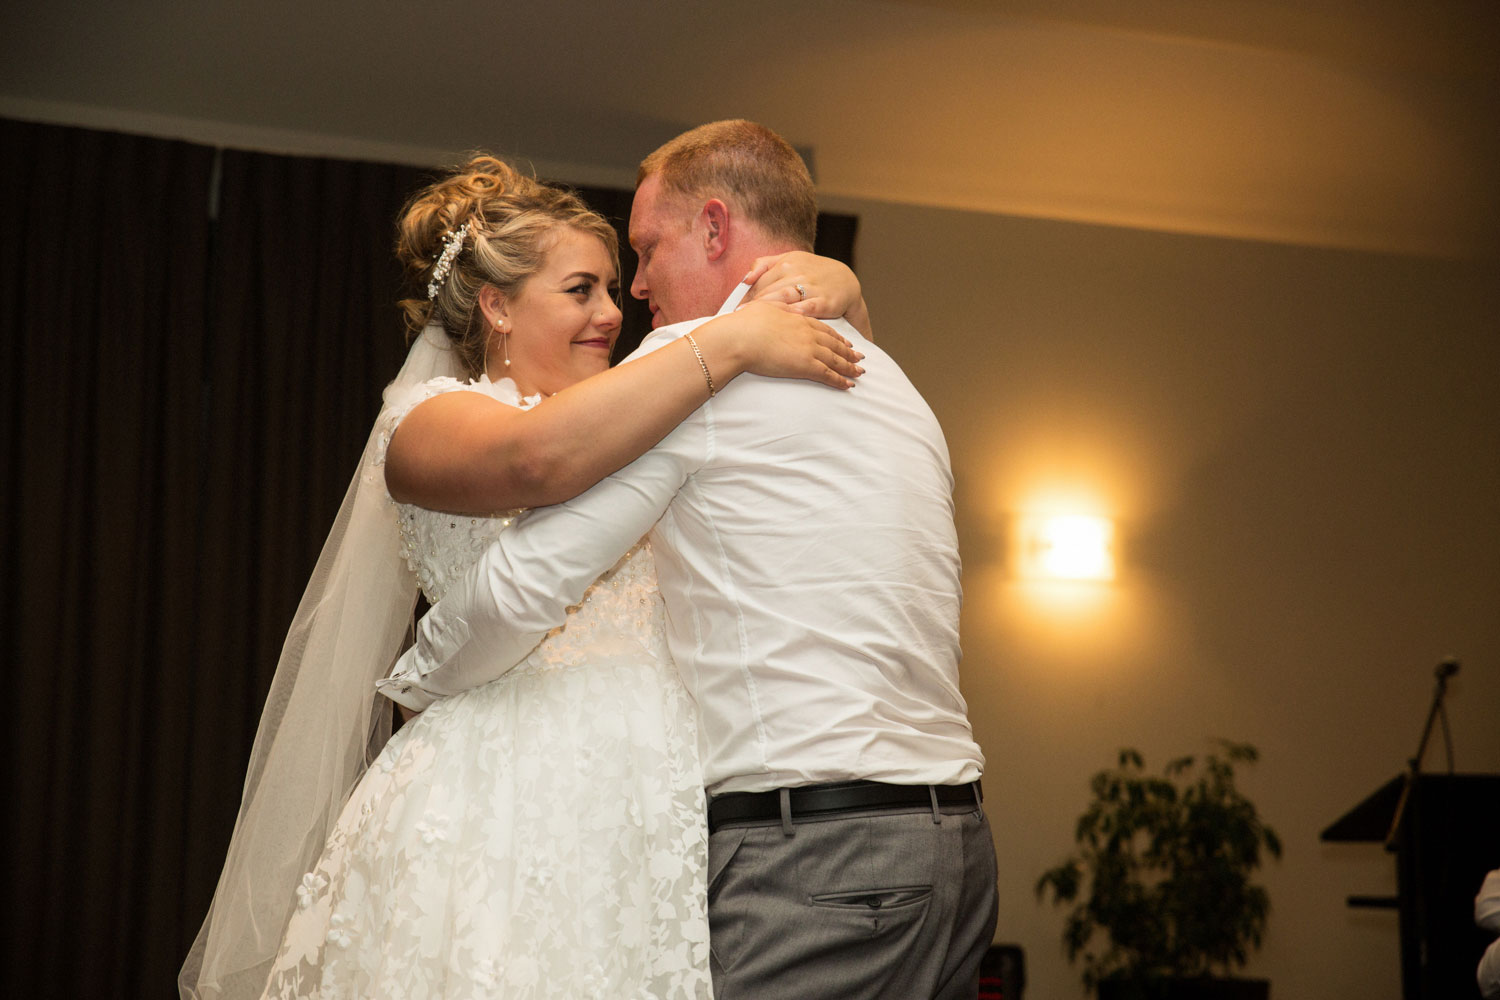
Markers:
<point>401,400</point>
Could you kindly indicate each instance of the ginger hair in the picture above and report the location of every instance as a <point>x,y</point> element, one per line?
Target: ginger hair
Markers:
<point>747,166</point>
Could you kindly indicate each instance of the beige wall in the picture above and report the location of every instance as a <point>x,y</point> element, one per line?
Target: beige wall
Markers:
<point>1302,448</point>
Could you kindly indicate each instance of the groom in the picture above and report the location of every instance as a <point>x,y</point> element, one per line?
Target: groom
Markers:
<point>809,565</point>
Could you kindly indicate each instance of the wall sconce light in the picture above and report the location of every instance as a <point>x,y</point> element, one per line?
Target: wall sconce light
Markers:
<point>1067,547</point>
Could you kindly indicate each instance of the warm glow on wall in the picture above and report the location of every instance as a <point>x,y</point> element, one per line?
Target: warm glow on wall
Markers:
<point>1066,547</point>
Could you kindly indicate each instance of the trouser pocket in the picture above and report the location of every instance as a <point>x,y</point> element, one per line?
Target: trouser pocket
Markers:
<point>874,899</point>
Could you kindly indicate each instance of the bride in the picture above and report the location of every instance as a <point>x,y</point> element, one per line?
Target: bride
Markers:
<point>542,835</point>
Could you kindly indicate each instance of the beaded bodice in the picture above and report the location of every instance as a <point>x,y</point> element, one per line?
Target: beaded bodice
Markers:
<point>438,547</point>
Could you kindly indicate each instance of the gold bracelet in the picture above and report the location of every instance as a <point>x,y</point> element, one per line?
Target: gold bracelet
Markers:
<point>701,364</point>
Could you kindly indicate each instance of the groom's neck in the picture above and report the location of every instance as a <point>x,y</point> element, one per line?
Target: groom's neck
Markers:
<point>744,254</point>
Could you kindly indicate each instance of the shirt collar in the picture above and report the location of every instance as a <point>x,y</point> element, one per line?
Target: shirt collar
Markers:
<point>735,298</point>
<point>663,334</point>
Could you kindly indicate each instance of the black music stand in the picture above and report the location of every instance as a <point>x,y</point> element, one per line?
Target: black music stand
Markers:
<point>1445,832</point>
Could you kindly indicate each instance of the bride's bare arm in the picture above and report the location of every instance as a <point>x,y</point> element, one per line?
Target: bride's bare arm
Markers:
<point>810,285</point>
<point>466,452</point>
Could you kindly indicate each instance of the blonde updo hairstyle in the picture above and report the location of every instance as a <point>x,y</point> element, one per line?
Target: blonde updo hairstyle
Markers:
<point>510,218</point>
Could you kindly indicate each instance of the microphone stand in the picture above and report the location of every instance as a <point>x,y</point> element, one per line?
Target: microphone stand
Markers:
<point>1444,670</point>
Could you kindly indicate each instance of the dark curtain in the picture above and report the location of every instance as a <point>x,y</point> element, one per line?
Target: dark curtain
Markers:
<point>194,342</point>
<point>103,286</point>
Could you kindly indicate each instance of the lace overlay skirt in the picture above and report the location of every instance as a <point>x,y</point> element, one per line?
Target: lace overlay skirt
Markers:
<point>541,836</point>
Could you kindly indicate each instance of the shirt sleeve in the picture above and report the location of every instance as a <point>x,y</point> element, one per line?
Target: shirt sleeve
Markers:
<point>1487,915</point>
<point>520,589</point>
<point>1487,903</point>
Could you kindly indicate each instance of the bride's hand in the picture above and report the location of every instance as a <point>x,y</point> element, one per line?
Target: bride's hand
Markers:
<point>809,285</point>
<point>767,338</point>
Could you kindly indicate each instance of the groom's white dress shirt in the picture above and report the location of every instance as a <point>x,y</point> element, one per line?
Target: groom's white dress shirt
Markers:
<point>807,557</point>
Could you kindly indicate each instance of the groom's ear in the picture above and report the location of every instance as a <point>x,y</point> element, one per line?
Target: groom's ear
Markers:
<point>715,219</point>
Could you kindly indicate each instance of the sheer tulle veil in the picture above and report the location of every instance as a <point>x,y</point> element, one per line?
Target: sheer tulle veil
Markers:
<point>322,722</point>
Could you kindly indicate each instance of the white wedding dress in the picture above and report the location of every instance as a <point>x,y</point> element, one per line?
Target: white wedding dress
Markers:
<point>540,836</point>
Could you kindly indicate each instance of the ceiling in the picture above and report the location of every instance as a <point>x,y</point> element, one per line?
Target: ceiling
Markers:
<point>1368,125</point>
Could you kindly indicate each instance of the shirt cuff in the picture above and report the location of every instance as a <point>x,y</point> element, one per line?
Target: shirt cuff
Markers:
<point>417,679</point>
<point>1488,973</point>
<point>405,692</point>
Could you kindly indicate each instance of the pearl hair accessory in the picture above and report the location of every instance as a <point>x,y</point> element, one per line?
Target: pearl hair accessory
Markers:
<point>453,242</point>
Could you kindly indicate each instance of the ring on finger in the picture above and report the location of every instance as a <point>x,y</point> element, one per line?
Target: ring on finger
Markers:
<point>801,290</point>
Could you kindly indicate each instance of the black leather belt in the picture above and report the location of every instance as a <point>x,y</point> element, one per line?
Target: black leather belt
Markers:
<point>839,797</point>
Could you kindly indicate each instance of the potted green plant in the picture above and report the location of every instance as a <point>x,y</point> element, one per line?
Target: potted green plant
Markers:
<point>1164,906</point>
